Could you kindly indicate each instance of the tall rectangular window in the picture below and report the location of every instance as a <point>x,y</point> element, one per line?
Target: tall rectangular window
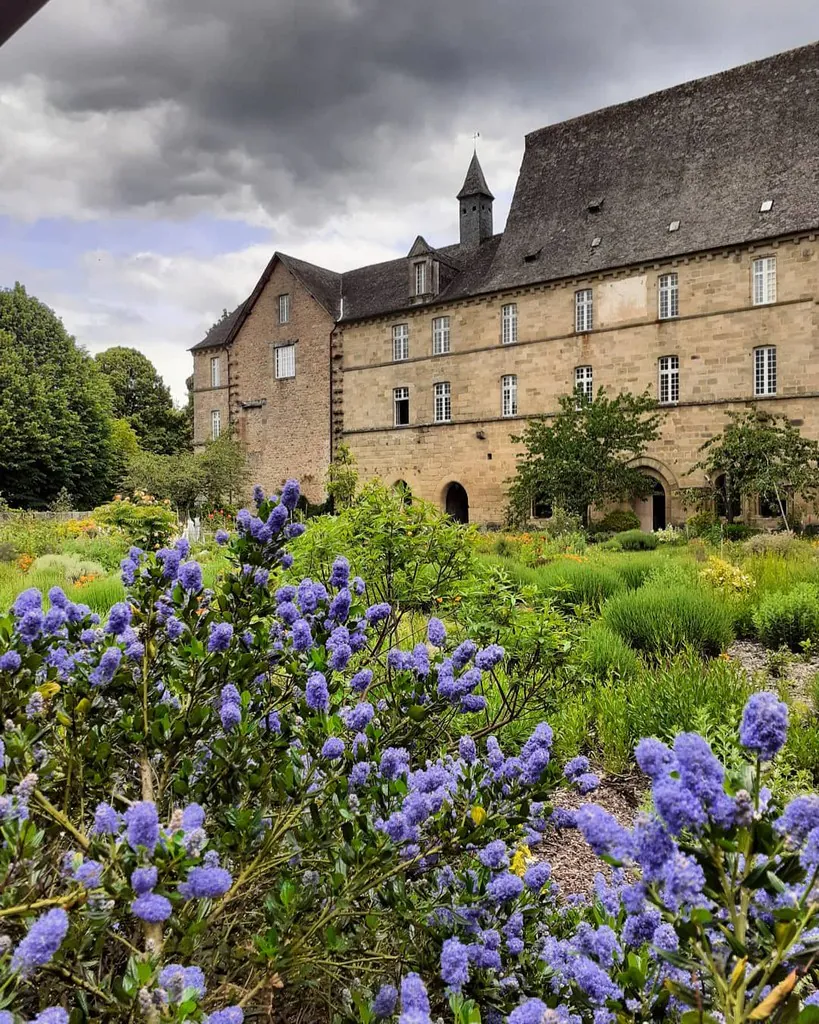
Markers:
<point>509,323</point>
<point>584,382</point>
<point>669,296</point>
<point>669,382</point>
<point>420,278</point>
<point>583,310</point>
<point>509,395</point>
<point>284,309</point>
<point>214,372</point>
<point>442,411</point>
<point>400,401</point>
<point>286,361</point>
<point>765,370</point>
<point>215,424</point>
<point>400,342</point>
<point>764,275</point>
<point>440,335</point>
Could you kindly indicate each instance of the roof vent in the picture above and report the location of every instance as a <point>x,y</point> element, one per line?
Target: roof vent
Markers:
<point>530,257</point>
<point>766,206</point>
<point>674,225</point>
<point>596,241</point>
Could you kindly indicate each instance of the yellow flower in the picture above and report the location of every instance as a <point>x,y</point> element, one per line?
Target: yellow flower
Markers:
<point>478,814</point>
<point>521,860</point>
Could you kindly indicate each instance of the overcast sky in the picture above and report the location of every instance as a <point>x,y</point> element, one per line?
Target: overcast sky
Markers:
<point>154,153</point>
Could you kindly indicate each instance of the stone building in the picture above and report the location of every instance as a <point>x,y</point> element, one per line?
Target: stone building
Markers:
<point>668,242</point>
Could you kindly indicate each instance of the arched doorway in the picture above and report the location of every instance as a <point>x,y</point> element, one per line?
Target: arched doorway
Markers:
<point>456,503</point>
<point>652,510</point>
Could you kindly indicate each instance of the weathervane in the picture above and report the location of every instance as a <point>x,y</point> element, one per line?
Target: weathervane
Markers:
<point>475,138</point>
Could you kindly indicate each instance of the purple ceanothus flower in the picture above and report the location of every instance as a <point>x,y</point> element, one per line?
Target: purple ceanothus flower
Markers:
<point>290,494</point>
<point>454,964</point>
<point>152,908</point>
<point>206,883</point>
<point>142,824</point>
<point>340,574</point>
<point>377,612</point>
<point>30,600</point>
<point>106,820</point>
<point>436,632</point>
<point>764,727</point>
<point>222,537</point>
<point>316,694</point>
<point>333,748</point>
<point>230,1015</point>
<point>40,943</point>
<point>230,710</point>
<point>10,661</point>
<point>385,1001</point>
<point>358,717</point>
<point>190,576</point>
<point>221,633</point>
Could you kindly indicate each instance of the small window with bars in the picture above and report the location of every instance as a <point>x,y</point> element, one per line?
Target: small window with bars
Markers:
<point>214,372</point>
<point>669,382</point>
<point>400,401</point>
<point>400,342</point>
<point>583,310</point>
<point>215,424</point>
<point>285,361</point>
<point>509,395</point>
<point>420,278</point>
<point>584,383</point>
<point>765,370</point>
<point>669,296</point>
<point>442,409</point>
<point>764,280</point>
<point>284,309</point>
<point>509,323</point>
<point>440,335</point>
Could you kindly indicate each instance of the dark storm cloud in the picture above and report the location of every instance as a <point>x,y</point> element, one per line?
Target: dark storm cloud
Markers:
<point>310,105</point>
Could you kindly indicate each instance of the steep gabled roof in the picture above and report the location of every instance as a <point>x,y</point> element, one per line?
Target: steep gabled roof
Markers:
<point>706,154</point>
<point>221,331</point>
<point>474,182</point>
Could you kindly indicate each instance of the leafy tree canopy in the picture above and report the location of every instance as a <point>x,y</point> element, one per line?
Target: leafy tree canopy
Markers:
<point>581,456</point>
<point>142,399</point>
<point>765,455</point>
<point>55,410</point>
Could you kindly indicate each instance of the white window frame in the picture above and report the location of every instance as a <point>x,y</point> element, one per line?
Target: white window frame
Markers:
<point>584,382</point>
<point>668,296</point>
<point>440,335</point>
<point>285,356</point>
<point>400,342</point>
<point>284,308</point>
<point>509,394</point>
<point>215,378</point>
<point>668,380</point>
<point>509,323</point>
<point>399,395</point>
<point>765,370</point>
<point>763,278</point>
<point>584,310</point>
<point>215,424</point>
<point>442,402</point>
<point>421,278</point>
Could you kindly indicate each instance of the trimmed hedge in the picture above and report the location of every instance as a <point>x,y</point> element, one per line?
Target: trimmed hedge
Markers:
<point>788,618</point>
<point>632,540</point>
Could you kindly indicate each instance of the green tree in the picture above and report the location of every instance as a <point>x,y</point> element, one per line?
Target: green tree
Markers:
<point>342,477</point>
<point>581,457</point>
<point>143,399</point>
<point>55,409</point>
<point>762,454</point>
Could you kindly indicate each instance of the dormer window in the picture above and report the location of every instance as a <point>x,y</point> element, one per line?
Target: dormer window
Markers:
<point>421,278</point>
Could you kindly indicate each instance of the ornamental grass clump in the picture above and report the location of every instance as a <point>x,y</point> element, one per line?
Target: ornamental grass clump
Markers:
<point>788,619</point>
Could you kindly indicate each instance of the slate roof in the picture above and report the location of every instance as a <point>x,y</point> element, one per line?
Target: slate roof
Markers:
<point>220,332</point>
<point>706,154</point>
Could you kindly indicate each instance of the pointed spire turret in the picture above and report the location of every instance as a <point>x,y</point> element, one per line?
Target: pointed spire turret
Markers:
<point>475,202</point>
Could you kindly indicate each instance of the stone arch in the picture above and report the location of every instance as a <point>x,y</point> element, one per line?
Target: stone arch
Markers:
<point>456,501</point>
<point>654,511</point>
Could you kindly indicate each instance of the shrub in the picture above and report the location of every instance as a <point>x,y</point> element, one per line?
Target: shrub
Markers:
<point>71,567</point>
<point>786,619</point>
<point>700,523</point>
<point>619,520</point>
<point>634,570</point>
<point>737,531</point>
<point>662,621</point>
<point>726,577</point>
<point>632,540</point>
<point>8,551</point>
<point>774,543</point>
<point>148,522</point>
<point>670,535</point>
<point>603,654</point>
<point>571,583</point>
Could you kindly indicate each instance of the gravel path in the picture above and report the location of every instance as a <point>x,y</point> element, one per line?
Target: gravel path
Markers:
<point>573,863</point>
<point>798,673</point>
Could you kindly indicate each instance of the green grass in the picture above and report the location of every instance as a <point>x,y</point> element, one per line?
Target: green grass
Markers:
<point>786,619</point>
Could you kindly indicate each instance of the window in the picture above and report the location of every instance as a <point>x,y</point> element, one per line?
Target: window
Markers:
<point>541,508</point>
<point>400,401</point>
<point>509,395</point>
<point>765,370</point>
<point>669,384</point>
<point>769,506</point>
<point>440,335</point>
<point>284,309</point>
<point>443,403</point>
<point>400,342</point>
<point>584,382</point>
<point>583,315</point>
<point>286,361</point>
<point>214,372</point>
<point>215,424</point>
<point>669,294</point>
<point>764,271</point>
<point>420,278</point>
<point>509,323</point>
